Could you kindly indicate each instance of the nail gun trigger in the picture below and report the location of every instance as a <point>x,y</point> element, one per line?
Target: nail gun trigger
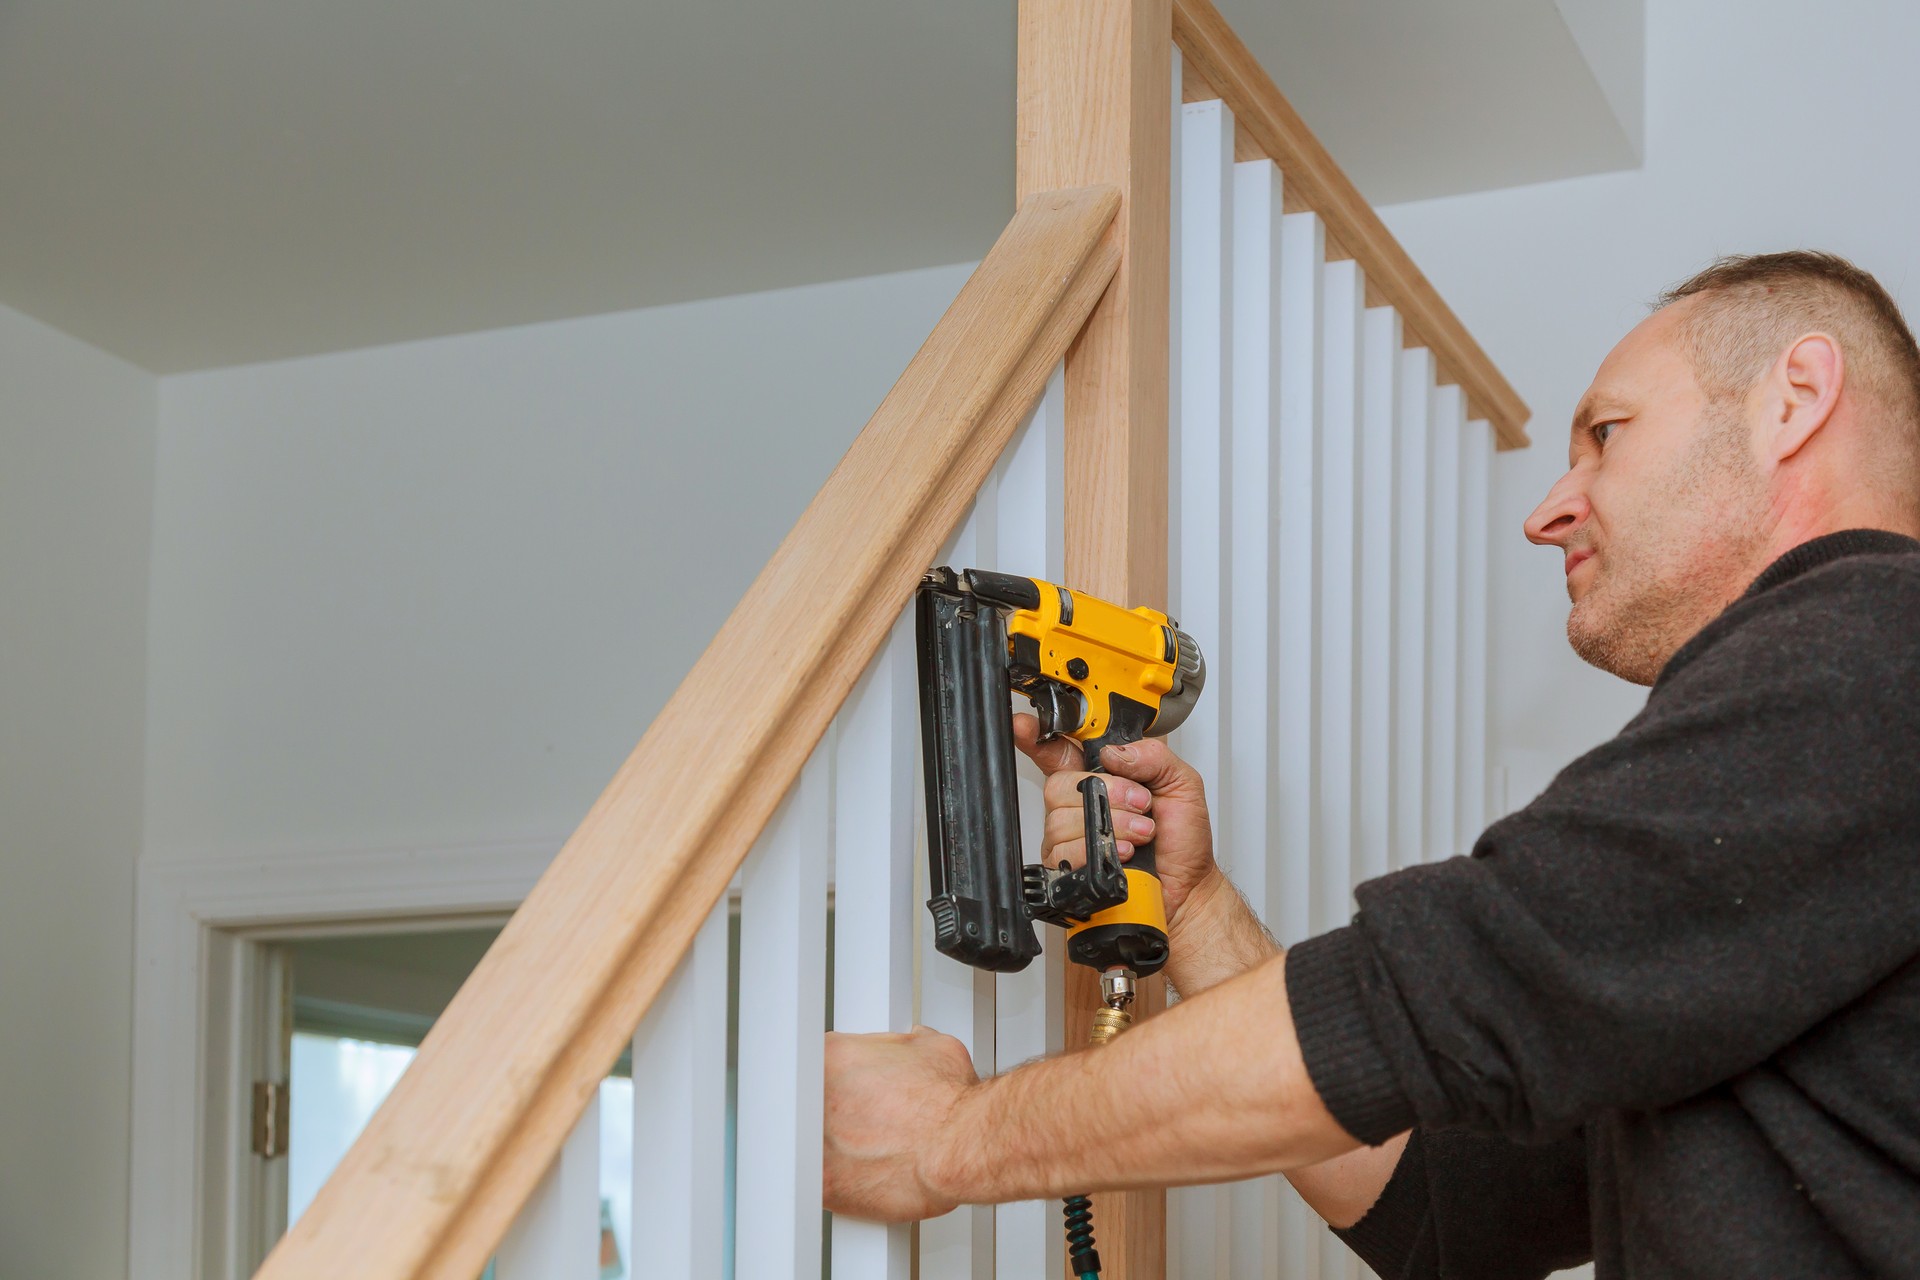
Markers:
<point>1058,707</point>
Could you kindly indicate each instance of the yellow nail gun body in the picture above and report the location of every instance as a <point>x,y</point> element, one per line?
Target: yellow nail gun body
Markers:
<point>1094,672</point>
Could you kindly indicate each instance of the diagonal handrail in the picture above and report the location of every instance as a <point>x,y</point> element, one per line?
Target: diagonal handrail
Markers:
<point>436,1178</point>
<point>1317,181</point>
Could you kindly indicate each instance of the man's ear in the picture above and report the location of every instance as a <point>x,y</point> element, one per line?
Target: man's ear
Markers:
<point>1804,391</point>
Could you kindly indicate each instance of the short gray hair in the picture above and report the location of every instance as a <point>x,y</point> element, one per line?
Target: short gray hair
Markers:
<point>1753,305</point>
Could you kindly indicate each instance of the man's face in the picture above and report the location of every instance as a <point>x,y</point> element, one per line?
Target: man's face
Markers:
<point>1661,508</point>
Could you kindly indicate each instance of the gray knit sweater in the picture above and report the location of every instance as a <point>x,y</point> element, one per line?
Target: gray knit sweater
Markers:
<point>1667,1015</point>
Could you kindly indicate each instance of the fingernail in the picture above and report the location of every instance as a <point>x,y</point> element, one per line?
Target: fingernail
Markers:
<point>1139,797</point>
<point>1125,753</point>
<point>1140,826</point>
<point>1124,848</point>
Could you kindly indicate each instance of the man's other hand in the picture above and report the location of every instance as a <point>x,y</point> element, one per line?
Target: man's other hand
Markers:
<point>1168,807</point>
<point>888,1100</point>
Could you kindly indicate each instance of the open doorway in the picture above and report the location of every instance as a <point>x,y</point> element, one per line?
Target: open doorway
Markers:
<point>341,1017</point>
<point>215,1017</point>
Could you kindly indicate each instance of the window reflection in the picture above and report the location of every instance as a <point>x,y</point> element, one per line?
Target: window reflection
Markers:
<point>338,1082</point>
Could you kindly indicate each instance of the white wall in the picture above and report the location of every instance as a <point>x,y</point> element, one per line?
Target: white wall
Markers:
<point>433,593</point>
<point>411,593</point>
<point>76,476</point>
<point>1770,125</point>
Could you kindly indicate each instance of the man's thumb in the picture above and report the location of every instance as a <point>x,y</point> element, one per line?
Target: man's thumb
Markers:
<point>1148,762</point>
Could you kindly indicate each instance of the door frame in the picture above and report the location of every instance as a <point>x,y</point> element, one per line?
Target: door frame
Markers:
<point>200,982</point>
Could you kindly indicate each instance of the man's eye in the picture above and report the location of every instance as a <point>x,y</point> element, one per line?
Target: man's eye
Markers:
<point>1601,430</point>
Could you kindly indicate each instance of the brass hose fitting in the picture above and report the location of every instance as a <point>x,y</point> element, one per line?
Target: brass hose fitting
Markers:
<point>1108,1023</point>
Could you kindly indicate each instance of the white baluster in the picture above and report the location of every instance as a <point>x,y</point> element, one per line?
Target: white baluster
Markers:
<point>1378,565</point>
<point>680,1113</point>
<point>1029,1006</point>
<point>1249,1218</point>
<point>1250,808</point>
<point>783,944</point>
<point>1296,573</point>
<point>1201,497</point>
<point>1345,309</point>
<point>1476,460</point>
<point>558,1230</point>
<point>1414,431</point>
<point>1443,632</point>
<point>1199,525</point>
<point>875,757</point>
<point>1296,773</point>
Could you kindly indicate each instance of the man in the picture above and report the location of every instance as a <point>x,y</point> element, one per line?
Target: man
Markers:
<point>1667,1016</point>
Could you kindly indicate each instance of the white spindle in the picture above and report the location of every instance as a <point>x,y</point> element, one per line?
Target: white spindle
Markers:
<point>1443,632</point>
<point>558,1230</point>
<point>1376,572</point>
<point>1344,314</point>
<point>873,774</point>
<point>680,1112</point>
<point>1414,430</point>
<point>1030,529</point>
<point>1296,572</point>
<point>1255,478</point>
<point>1249,857</point>
<point>1029,1005</point>
<point>1476,460</point>
<point>1200,500</point>
<point>783,944</point>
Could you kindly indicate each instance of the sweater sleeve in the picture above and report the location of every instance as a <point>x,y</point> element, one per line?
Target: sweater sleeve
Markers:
<point>1679,905</point>
<point>1469,1206</point>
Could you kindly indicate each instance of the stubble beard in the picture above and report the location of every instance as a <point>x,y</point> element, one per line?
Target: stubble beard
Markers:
<point>1656,588</point>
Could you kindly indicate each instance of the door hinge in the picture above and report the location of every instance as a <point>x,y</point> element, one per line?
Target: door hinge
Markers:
<point>269,1118</point>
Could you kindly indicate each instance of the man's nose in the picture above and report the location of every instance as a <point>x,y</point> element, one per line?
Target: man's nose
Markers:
<point>1564,510</point>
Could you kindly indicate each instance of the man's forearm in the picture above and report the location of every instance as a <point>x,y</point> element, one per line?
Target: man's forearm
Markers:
<point>1215,936</point>
<point>1211,1090</point>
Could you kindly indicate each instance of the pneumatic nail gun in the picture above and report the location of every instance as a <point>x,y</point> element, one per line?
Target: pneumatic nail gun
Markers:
<point>1094,672</point>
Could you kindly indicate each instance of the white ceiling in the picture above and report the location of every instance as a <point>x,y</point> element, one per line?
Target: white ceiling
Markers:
<point>196,183</point>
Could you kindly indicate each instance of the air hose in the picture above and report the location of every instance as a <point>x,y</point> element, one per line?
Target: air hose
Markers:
<point>1084,1258</point>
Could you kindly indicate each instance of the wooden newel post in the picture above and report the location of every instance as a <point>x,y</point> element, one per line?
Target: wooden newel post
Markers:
<point>1095,106</point>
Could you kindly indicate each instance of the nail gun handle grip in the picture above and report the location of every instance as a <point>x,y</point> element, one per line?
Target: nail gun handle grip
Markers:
<point>1142,859</point>
<point>1132,933</point>
<point>1106,878</point>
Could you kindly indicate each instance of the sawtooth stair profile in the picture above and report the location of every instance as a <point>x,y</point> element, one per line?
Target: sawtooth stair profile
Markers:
<point>1194,372</point>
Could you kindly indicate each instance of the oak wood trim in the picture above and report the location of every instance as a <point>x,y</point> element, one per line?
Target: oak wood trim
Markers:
<point>1354,230</point>
<point>1095,94</point>
<point>437,1177</point>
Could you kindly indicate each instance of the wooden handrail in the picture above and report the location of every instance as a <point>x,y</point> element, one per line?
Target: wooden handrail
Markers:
<point>1319,184</point>
<point>436,1179</point>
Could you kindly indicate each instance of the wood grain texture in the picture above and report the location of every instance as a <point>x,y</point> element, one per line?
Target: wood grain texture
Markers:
<point>1094,90</point>
<point>1353,229</point>
<point>436,1178</point>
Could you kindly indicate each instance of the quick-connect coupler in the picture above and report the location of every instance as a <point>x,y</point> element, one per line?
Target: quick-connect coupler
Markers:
<point>1116,1012</point>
